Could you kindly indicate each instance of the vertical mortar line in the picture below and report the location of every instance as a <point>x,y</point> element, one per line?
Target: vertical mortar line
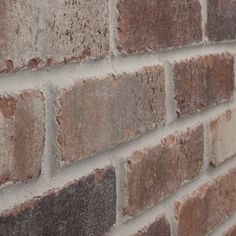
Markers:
<point>169,89</point>
<point>112,30</point>
<point>49,163</point>
<point>120,190</point>
<point>171,218</point>
<point>204,20</point>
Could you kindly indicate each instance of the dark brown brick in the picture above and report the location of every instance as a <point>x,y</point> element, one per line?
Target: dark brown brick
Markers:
<point>97,114</point>
<point>221,16</point>
<point>155,173</point>
<point>53,32</point>
<point>203,82</point>
<point>152,25</point>
<point>22,135</point>
<point>160,227</point>
<point>208,207</point>
<point>86,207</point>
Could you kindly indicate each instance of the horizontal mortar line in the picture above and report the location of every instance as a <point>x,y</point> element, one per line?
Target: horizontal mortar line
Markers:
<point>65,75</point>
<point>224,227</point>
<point>167,204</point>
<point>13,194</point>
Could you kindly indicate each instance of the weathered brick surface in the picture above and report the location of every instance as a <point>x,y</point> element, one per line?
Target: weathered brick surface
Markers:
<point>231,232</point>
<point>221,15</point>
<point>21,135</point>
<point>86,207</point>
<point>223,135</point>
<point>99,113</point>
<point>160,227</point>
<point>203,82</point>
<point>155,173</point>
<point>53,32</point>
<point>207,207</point>
<point>152,25</point>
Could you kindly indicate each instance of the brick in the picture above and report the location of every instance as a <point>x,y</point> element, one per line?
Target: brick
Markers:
<point>21,135</point>
<point>53,32</point>
<point>221,16</point>
<point>86,207</point>
<point>155,173</point>
<point>97,114</point>
<point>231,232</point>
<point>203,82</point>
<point>152,25</point>
<point>222,137</point>
<point>160,227</point>
<point>207,207</point>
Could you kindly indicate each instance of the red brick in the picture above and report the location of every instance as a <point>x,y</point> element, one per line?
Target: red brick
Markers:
<point>203,82</point>
<point>155,173</point>
<point>86,207</point>
<point>231,232</point>
<point>53,32</point>
<point>221,15</point>
<point>22,135</point>
<point>207,207</point>
<point>97,114</point>
<point>160,227</point>
<point>152,25</point>
<point>222,132</point>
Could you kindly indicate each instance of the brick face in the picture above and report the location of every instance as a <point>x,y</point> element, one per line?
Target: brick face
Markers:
<point>21,135</point>
<point>152,25</point>
<point>160,227</point>
<point>203,82</point>
<point>155,173</point>
<point>53,32</point>
<point>99,113</point>
<point>221,16</point>
<point>207,207</point>
<point>86,207</point>
<point>223,135</point>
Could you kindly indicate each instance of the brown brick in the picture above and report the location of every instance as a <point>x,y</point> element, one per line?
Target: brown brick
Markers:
<point>222,136</point>
<point>85,207</point>
<point>160,227</point>
<point>22,135</point>
<point>203,82</point>
<point>231,232</point>
<point>208,207</point>
<point>155,173</point>
<point>221,16</point>
<point>97,114</point>
<point>53,32</point>
<point>152,25</point>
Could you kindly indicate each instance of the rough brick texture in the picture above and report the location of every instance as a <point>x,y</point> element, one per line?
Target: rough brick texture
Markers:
<point>203,82</point>
<point>21,135</point>
<point>155,173</point>
<point>231,232</point>
<point>207,207</point>
<point>152,25</point>
<point>160,227</point>
<point>223,135</point>
<point>98,113</point>
<point>53,32</point>
<point>221,16</point>
<point>86,207</point>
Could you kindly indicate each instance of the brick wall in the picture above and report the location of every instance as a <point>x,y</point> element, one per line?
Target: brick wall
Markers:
<point>117,117</point>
